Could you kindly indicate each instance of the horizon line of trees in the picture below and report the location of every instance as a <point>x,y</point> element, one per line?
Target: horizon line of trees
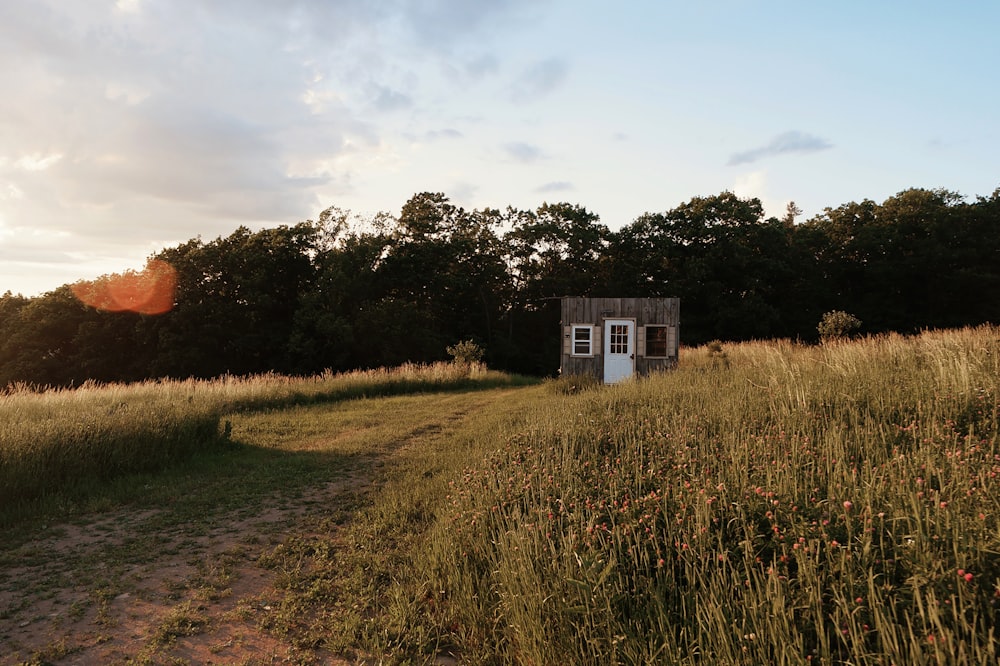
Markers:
<point>345,292</point>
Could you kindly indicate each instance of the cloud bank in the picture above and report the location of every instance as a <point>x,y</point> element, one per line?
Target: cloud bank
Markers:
<point>131,126</point>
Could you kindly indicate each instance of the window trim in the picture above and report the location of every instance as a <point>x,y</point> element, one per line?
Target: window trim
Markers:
<point>573,341</point>
<point>648,338</point>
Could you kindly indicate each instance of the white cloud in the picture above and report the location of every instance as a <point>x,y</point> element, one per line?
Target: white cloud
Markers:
<point>10,191</point>
<point>181,107</point>
<point>754,184</point>
<point>37,161</point>
<point>208,115</point>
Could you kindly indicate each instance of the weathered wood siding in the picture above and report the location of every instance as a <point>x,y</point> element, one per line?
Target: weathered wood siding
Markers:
<point>593,312</point>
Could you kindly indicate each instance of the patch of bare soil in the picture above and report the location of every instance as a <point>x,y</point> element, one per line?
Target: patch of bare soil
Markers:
<point>116,591</point>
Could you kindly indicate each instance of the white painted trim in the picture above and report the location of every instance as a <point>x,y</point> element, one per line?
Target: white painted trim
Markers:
<point>618,367</point>
<point>590,341</point>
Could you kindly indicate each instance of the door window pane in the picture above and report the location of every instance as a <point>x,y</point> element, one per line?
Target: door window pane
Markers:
<point>618,342</point>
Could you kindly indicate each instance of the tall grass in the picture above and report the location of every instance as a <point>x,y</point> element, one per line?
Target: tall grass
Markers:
<point>773,503</point>
<point>54,441</point>
<point>765,503</point>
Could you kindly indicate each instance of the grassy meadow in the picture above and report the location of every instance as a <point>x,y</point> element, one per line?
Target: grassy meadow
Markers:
<point>58,447</point>
<point>765,503</point>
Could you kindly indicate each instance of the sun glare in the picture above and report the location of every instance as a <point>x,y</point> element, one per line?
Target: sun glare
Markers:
<point>150,291</point>
<point>127,6</point>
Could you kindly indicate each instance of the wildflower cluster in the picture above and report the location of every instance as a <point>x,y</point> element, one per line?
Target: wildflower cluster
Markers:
<point>816,528</point>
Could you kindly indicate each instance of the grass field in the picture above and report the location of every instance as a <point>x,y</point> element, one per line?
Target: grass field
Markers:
<point>766,503</point>
<point>58,448</point>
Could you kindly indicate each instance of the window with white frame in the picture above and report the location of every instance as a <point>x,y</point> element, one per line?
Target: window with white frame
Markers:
<point>583,340</point>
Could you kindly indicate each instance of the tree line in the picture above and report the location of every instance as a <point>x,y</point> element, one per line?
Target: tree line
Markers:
<point>344,292</point>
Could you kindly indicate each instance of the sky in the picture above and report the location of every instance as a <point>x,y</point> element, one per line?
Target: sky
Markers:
<point>131,126</point>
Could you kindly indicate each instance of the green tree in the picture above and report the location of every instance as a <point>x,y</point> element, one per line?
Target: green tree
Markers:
<point>907,263</point>
<point>236,301</point>
<point>11,326</point>
<point>43,346</point>
<point>792,211</point>
<point>333,318</point>
<point>447,265</point>
<point>559,249</point>
<point>731,268</point>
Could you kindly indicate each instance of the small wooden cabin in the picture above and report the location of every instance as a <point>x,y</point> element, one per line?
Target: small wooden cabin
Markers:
<point>616,338</point>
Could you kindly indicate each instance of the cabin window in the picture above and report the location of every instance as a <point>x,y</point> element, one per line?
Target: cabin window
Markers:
<point>583,341</point>
<point>658,341</point>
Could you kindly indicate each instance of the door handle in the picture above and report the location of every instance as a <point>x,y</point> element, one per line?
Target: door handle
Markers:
<point>632,356</point>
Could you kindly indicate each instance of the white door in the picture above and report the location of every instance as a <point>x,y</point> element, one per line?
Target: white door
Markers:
<point>619,350</point>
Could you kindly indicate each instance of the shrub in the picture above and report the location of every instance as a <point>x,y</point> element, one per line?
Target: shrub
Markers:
<point>466,352</point>
<point>837,324</point>
<point>717,354</point>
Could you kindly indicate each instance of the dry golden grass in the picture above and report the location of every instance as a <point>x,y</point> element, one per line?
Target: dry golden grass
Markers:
<point>59,442</point>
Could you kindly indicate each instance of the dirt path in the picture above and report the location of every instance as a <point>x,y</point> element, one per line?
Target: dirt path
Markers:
<point>192,584</point>
<point>196,597</point>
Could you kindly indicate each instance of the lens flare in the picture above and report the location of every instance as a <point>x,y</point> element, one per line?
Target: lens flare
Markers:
<point>150,291</point>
